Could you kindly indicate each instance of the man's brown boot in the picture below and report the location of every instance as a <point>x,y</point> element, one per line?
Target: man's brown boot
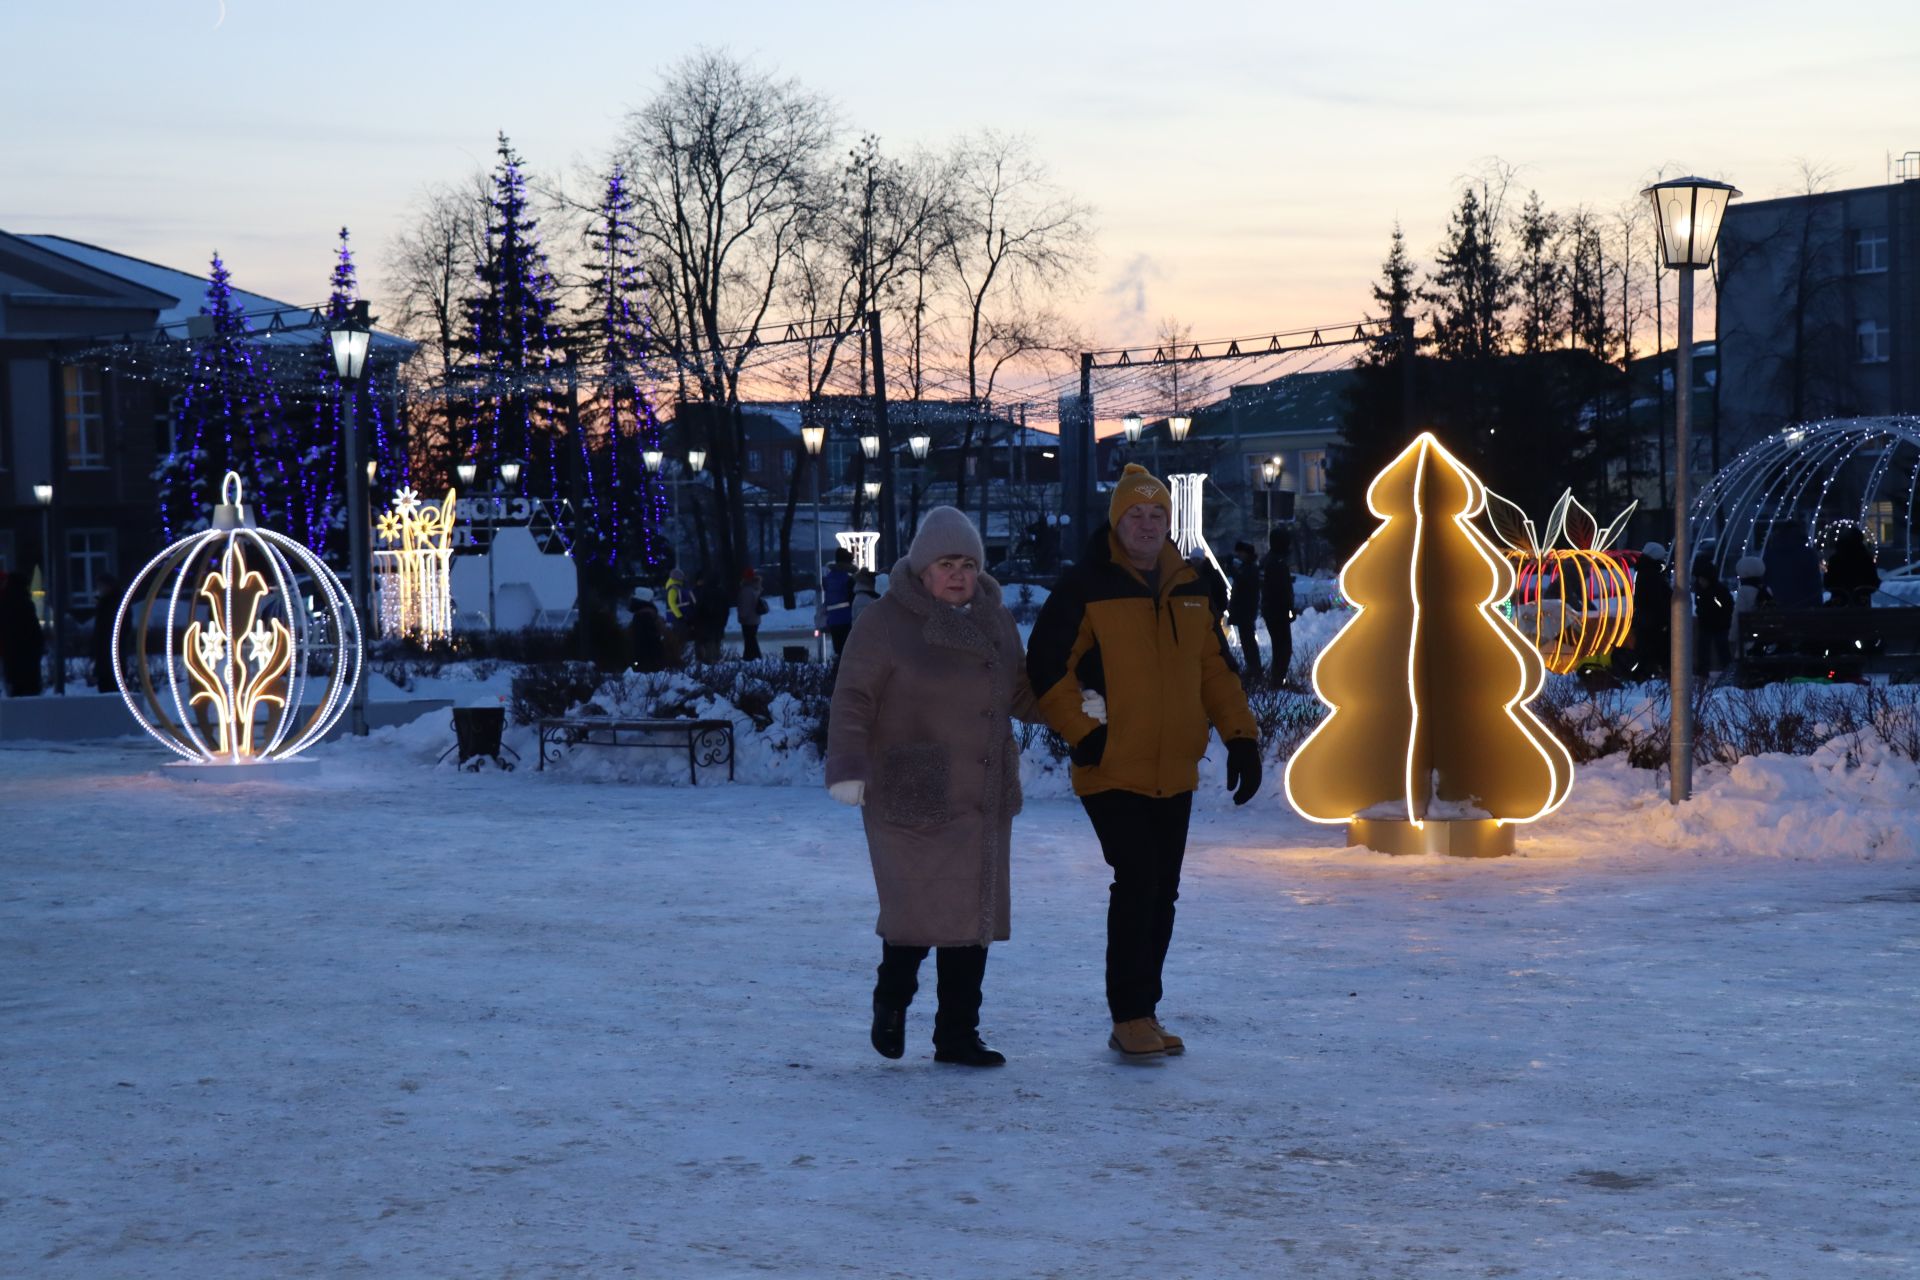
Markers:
<point>1136,1038</point>
<point>1174,1044</point>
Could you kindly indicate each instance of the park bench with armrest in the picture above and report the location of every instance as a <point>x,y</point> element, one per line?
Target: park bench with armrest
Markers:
<point>707,742</point>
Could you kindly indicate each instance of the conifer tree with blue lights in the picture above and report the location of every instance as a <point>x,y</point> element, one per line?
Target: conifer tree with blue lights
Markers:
<point>228,419</point>
<point>629,505</point>
<point>516,348</point>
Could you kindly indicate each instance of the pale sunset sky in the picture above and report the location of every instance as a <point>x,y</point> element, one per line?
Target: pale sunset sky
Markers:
<point>1246,163</point>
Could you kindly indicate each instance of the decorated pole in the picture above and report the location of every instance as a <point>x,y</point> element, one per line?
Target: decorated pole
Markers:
<point>1429,746</point>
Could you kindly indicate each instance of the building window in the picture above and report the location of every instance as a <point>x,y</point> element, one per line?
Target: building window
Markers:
<point>166,426</point>
<point>89,562</point>
<point>1313,471</point>
<point>86,428</point>
<point>1872,342</point>
<point>1870,251</point>
<point>7,564</point>
<point>753,462</point>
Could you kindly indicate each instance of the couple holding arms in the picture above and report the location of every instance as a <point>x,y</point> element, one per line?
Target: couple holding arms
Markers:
<point>1127,662</point>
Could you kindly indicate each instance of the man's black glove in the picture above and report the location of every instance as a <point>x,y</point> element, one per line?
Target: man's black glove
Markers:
<point>1243,769</point>
<point>1088,750</point>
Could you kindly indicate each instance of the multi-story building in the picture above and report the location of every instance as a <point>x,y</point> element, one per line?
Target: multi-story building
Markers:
<point>1819,307</point>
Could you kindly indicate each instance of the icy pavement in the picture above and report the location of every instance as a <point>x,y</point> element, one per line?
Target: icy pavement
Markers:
<point>397,1021</point>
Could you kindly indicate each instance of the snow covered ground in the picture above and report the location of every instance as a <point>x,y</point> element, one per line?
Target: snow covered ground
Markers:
<point>395,1020</point>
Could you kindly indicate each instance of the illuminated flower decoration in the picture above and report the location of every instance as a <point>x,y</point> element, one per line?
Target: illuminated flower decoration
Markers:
<point>1572,596</point>
<point>415,578</point>
<point>236,645</point>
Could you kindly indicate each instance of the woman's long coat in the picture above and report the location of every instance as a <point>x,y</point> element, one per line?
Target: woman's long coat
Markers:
<point>922,713</point>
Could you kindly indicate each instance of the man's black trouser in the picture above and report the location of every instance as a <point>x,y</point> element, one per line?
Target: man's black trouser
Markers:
<point>1249,650</point>
<point>1144,839</point>
<point>961,970</point>
<point>1280,634</point>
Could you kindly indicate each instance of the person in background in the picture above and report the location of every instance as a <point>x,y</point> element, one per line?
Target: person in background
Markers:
<point>1243,608</point>
<point>106,602</point>
<point>680,602</point>
<point>834,612</point>
<point>865,592</point>
<point>1276,604</point>
<point>21,641</point>
<point>710,610</point>
<point>1749,598</point>
<point>649,640</point>
<point>1652,612</point>
<point>1851,578</point>
<point>1712,619</point>
<point>920,737</point>
<point>750,604</point>
<point>1130,666</point>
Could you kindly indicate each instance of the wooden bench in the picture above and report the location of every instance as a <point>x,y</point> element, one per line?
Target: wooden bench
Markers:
<point>1848,641</point>
<point>706,742</point>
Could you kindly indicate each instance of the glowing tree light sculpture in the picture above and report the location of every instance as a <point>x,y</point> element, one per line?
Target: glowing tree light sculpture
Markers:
<point>1576,600</point>
<point>1450,759</point>
<point>415,586</point>
<point>250,670</point>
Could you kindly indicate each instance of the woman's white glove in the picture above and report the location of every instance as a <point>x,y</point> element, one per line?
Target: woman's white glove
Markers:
<point>853,791</point>
<point>1093,705</point>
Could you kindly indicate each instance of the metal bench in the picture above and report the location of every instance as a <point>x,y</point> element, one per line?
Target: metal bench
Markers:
<point>707,742</point>
<point>1844,642</point>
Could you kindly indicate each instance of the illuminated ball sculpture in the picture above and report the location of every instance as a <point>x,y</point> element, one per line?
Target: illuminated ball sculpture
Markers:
<point>1428,746</point>
<point>257,647</point>
<point>1572,596</point>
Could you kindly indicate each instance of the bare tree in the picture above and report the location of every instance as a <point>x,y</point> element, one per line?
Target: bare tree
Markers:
<point>1179,388</point>
<point>726,165</point>
<point>1015,238</point>
<point>432,267</point>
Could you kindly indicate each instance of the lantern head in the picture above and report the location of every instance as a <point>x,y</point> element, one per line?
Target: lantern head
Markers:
<point>1689,212</point>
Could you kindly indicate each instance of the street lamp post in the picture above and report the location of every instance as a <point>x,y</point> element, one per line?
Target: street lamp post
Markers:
<point>508,477</point>
<point>43,494</point>
<point>1688,212</point>
<point>350,341</point>
<point>1270,472</point>
<point>814,437</point>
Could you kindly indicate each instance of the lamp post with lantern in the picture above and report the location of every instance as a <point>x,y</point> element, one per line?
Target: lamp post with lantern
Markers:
<point>508,474</point>
<point>43,494</point>
<point>1270,473</point>
<point>350,341</point>
<point>1688,212</point>
<point>814,438</point>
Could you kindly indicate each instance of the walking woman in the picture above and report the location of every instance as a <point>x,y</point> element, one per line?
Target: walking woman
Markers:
<point>920,737</point>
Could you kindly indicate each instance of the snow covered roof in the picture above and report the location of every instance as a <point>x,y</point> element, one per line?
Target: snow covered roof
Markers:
<point>270,319</point>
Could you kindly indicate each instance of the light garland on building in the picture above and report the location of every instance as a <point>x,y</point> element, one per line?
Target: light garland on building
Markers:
<point>414,579</point>
<point>259,673</point>
<point>1453,761</point>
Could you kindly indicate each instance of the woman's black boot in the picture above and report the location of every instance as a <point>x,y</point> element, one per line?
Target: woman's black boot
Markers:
<point>889,1029</point>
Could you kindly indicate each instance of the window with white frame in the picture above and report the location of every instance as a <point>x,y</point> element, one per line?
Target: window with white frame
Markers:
<point>1313,471</point>
<point>1870,251</point>
<point>1872,342</point>
<point>86,427</point>
<point>166,426</point>
<point>89,562</point>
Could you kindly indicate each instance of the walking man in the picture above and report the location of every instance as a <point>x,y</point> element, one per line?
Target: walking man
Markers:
<point>1243,609</point>
<point>1130,666</point>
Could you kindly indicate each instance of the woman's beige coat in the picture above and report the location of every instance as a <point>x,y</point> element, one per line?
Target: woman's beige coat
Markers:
<point>922,713</point>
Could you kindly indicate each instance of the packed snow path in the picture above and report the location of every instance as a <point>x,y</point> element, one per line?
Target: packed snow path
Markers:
<point>396,1021</point>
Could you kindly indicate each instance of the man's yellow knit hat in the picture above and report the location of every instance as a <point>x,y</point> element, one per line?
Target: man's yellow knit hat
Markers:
<point>1137,485</point>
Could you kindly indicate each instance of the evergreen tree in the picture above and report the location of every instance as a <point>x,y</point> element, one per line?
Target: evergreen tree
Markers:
<point>1472,286</point>
<point>630,503</point>
<point>1374,427</point>
<point>516,347</point>
<point>229,419</point>
<point>1539,277</point>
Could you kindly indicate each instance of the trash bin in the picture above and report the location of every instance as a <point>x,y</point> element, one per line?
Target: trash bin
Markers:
<point>794,653</point>
<point>477,731</point>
